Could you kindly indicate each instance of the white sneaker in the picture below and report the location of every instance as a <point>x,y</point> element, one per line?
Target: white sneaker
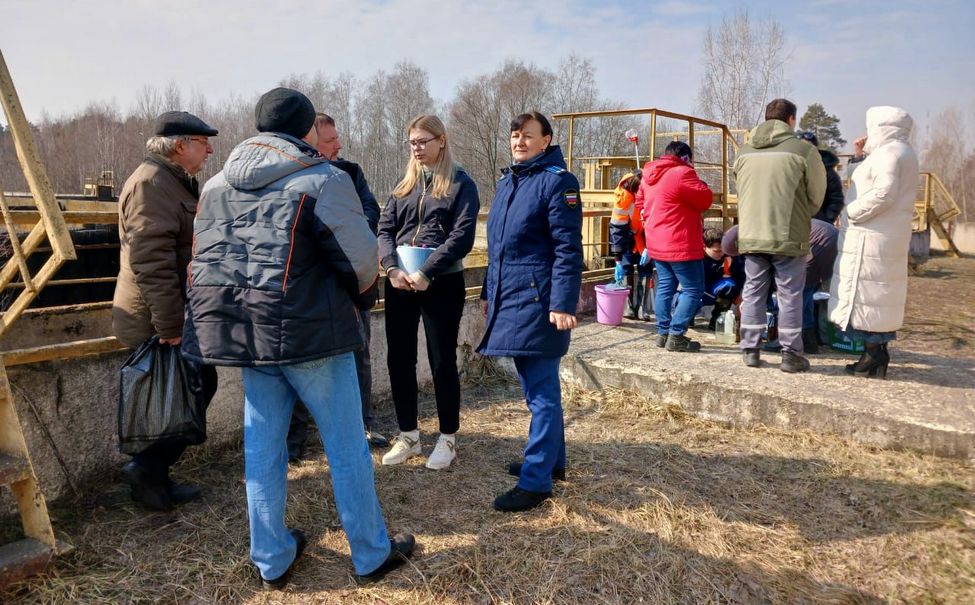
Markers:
<point>403,449</point>
<point>443,454</point>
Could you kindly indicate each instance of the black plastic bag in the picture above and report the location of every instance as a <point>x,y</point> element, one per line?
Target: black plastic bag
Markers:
<point>160,399</point>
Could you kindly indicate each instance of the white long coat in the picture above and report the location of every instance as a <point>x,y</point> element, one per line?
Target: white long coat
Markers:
<point>869,285</point>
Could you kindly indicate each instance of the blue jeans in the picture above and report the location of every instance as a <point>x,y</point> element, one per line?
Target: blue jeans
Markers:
<point>545,449</point>
<point>690,275</point>
<point>330,391</point>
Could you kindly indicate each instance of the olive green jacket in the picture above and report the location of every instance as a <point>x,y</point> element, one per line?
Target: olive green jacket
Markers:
<point>781,182</point>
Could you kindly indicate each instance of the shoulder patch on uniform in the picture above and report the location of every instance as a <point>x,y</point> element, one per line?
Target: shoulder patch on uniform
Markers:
<point>571,197</point>
<point>555,170</point>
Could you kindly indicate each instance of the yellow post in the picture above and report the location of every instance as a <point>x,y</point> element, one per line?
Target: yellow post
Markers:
<point>30,161</point>
<point>569,159</point>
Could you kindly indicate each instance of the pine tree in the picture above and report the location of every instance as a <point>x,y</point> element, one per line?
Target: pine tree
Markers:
<point>826,126</point>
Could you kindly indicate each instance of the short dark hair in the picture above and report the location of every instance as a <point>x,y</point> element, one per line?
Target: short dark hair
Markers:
<point>712,236</point>
<point>519,122</point>
<point>780,109</point>
<point>679,149</point>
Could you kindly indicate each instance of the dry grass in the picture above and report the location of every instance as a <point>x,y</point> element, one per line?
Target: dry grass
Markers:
<point>659,508</point>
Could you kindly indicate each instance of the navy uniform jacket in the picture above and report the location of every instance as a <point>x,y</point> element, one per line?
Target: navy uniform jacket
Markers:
<point>535,258</point>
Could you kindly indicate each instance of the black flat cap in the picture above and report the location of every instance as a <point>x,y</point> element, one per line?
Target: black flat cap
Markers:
<point>175,123</point>
<point>284,110</point>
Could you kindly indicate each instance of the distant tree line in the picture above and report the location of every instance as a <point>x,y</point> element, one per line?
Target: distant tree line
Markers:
<point>371,114</point>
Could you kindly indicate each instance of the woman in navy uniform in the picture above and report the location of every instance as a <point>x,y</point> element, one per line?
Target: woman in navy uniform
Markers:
<point>530,294</point>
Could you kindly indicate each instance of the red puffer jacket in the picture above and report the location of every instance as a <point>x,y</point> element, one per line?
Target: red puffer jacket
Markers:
<point>672,199</point>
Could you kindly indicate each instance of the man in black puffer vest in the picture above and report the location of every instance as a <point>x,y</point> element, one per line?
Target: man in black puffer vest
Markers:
<point>283,264</point>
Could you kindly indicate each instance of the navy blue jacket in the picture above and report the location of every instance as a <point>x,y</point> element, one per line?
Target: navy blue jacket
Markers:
<point>370,207</point>
<point>446,223</point>
<point>535,258</point>
<point>282,256</point>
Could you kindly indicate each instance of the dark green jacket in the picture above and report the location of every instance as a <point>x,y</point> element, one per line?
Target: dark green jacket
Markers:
<point>781,182</point>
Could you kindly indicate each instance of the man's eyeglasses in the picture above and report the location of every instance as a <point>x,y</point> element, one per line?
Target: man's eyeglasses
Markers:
<point>420,143</point>
<point>202,140</point>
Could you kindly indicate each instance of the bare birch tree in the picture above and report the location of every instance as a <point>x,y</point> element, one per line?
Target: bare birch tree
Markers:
<point>744,66</point>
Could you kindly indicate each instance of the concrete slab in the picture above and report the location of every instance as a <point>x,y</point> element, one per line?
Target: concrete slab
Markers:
<point>927,404</point>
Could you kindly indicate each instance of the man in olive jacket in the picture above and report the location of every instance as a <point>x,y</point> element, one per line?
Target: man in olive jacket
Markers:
<point>781,182</point>
<point>156,210</point>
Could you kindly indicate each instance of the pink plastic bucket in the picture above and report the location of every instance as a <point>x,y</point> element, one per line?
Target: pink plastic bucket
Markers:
<point>610,304</point>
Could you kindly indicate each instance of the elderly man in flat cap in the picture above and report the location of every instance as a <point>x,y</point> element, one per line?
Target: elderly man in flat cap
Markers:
<point>283,266</point>
<point>156,210</point>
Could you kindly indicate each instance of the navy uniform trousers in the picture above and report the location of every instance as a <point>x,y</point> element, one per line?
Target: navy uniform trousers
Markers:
<point>545,450</point>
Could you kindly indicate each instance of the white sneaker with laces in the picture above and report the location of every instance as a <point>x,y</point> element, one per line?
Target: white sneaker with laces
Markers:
<point>443,454</point>
<point>403,449</point>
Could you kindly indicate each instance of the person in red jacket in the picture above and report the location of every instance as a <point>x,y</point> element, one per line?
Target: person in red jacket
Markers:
<point>673,199</point>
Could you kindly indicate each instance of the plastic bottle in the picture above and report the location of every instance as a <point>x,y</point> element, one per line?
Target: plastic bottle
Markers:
<point>725,328</point>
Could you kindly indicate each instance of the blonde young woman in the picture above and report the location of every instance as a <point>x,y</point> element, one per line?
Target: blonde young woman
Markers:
<point>434,206</point>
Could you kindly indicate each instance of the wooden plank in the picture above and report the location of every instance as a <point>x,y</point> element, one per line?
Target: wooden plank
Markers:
<point>47,271</point>
<point>73,282</point>
<point>21,559</point>
<point>30,500</point>
<point>30,162</point>
<point>18,252</point>
<point>946,242</point>
<point>29,245</point>
<point>13,469</point>
<point>74,217</point>
<point>67,350</point>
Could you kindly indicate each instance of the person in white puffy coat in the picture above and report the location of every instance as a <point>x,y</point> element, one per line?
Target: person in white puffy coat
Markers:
<point>869,285</point>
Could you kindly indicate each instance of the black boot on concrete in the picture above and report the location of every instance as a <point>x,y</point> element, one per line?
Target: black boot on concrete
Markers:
<point>792,363</point>
<point>810,341</point>
<point>872,364</point>
<point>752,357</point>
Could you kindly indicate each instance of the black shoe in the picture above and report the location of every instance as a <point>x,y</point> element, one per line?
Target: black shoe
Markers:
<point>148,487</point>
<point>752,357</point>
<point>679,343</point>
<point>517,499</point>
<point>295,454</point>
<point>810,341</point>
<point>793,363</point>
<point>282,580</point>
<point>376,439</point>
<point>661,341</point>
<point>181,493</point>
<point>514,469</point>
<point>401,549</point>
<point>872,364</point>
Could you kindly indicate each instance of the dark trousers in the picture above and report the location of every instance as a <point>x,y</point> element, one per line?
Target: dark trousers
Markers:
<point>545,450</point>
<point>158,457</point>
<point>300,418</point>
<point>441,307</point>
<point>789,274</point>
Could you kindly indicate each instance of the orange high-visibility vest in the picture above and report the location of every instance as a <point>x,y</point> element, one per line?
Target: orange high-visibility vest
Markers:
<point>624,211</point>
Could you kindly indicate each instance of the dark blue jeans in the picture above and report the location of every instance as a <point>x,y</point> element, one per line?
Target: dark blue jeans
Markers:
<point>690,275</point>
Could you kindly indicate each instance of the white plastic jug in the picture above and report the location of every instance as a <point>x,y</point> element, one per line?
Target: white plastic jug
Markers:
<point>725,328</point>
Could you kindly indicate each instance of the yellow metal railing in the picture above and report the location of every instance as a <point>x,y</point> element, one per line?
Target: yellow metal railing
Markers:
<point>601,168</point>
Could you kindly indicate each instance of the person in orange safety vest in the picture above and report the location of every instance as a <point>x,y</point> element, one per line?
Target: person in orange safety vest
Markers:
<point>627,245</point>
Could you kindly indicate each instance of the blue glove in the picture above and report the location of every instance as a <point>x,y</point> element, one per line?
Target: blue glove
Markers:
<point>618,274</point>
<point>645,257</point>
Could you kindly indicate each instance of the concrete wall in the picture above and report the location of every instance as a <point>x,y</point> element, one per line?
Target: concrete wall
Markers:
<point>963,234</point>
<point>68,408</point>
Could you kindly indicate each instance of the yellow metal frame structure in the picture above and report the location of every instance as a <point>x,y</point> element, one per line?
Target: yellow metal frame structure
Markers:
<point>599,201</point>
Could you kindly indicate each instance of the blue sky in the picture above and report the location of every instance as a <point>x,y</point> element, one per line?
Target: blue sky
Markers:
<point>846,54</point>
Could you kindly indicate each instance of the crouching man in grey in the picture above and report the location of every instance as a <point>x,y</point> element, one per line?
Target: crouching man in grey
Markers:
<point>284,262</point>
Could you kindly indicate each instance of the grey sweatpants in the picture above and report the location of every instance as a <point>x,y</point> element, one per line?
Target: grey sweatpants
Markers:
<point>789,273</point>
